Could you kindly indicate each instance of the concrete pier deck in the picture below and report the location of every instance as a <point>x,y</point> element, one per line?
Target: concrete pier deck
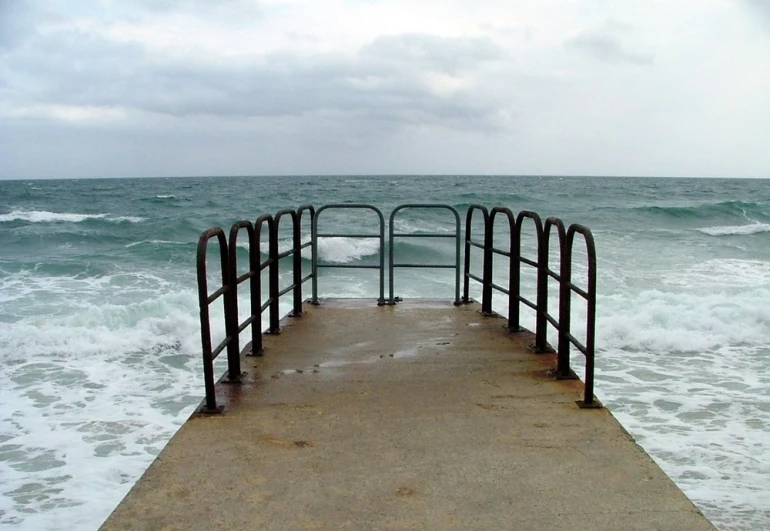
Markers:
<point>418,416</point>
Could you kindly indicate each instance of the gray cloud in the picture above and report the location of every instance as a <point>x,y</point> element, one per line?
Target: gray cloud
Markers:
<point>17,22</point>
<point>606,44</point>
<point>384,80</point>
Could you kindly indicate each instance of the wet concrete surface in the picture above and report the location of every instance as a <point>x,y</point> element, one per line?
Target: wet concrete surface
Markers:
<point>418,416</point>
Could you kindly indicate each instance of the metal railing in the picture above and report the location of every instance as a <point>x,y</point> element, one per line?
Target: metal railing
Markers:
<point>380,236</point>
<point>204,301</point>
<point>231,280</point>
<point>392,235</point>
<point>540,306</point>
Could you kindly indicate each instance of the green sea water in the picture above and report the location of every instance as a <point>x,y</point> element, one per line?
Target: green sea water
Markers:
<point>99,332</point>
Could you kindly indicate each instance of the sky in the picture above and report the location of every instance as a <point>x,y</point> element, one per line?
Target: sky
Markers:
<point>111,88</point>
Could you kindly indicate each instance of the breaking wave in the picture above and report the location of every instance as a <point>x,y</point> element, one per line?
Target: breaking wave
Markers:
<point>43,216</point>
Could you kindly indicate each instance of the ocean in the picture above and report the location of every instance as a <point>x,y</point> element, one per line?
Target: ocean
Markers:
<point>100,337</point>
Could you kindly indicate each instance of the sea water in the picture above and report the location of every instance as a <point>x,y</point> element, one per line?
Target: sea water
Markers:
<point>100,335</point>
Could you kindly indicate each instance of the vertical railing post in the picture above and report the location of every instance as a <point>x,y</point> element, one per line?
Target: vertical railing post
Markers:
<point>297,292</point>
<point>255,294</point>
<point>314,255</point>
<point>563,369</point>
<point>486,287</point>
<point>514,319</point>
<point>541,325</point>
<point>467,257</point>
<point>273,276</point>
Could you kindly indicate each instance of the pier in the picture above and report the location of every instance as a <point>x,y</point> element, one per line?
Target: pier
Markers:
<point>388,414</point>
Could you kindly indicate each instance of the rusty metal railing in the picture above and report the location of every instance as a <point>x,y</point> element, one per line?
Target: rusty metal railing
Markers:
<point>231,280</point>
<point>486,247</point>
<point>544,272</point>
<point>513,269</point>
<point>204,301</point>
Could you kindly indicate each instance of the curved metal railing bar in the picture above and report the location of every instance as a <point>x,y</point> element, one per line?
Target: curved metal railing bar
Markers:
<point>269,264</point>
<point>298,278</point>
<point>589,294</point>
<point>231,280</point>
<point>233,348</point>
<point>204,300</point>
<point>486,275</point>
<point>392,235</point>
<point>551,223</point>
<point>381,236</point>
<point>542,285</point>
<point>513,271</point>
<point>294,252</point>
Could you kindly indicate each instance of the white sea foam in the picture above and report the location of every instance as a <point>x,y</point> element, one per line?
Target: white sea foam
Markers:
<point>411,226</point>
<point>155,242</point>
<point>343,250</point>
<point>722,273</point>
<point>736,230</point>
<point>127,219</point>
<point>683,322</point>
<point>43,216</point>
<point>101,389</point>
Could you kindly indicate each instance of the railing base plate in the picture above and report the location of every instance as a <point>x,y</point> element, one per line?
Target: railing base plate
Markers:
<point>569,376</point>
<point>594,404</point>
<point>203,410</point>
<point>229,381</point>
<point>548,349</point>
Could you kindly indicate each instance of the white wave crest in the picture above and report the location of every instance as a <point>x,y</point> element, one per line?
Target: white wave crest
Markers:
<point>334,250</point>
<point>722,273</point>
<point>43,216</point>
<point>155,242</point>
<point>661,322</point>
<point>127,219</point>
<point>736,230</point>
<point>343,250</point>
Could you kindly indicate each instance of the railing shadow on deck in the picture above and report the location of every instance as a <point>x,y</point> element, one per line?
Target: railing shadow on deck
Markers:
<point>231,279</point>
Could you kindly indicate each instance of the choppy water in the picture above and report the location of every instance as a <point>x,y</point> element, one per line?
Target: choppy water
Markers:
<point>99,334</point>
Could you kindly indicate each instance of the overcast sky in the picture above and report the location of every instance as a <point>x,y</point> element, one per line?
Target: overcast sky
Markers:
<point>114,88</point>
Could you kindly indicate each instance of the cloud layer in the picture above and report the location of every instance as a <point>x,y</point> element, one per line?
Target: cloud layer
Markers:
<point>343,86</point>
